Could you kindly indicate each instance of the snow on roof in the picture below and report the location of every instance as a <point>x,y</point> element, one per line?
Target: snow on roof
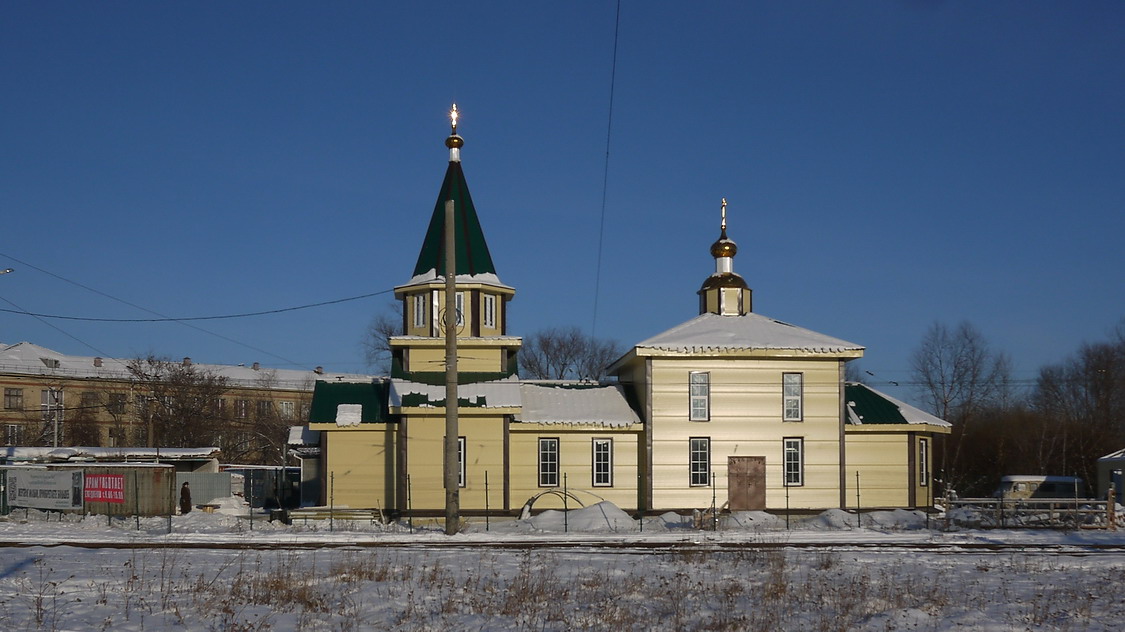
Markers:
<point>301,435</point>
<point>861,413</point>
<point>28,358</point>
<point>13,454</point>
<point>712,332</point>
<point>496,394</point>
<point>1112,456</point>
<point>567,404</point>
<point>431,275</point>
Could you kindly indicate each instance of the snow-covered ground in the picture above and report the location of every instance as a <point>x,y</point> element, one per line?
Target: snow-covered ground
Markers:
<point>897,572</point>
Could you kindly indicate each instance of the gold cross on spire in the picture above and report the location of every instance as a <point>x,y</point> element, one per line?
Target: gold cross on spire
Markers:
<point>453,116</point>
<point>724,224</point>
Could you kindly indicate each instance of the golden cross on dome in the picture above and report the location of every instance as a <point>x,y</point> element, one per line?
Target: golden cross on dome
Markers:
<point>453,116</point>
<point>724,224</point>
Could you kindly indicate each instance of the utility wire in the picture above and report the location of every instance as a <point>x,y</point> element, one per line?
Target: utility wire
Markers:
<point>605,173</point>
<point>192,318</point>
<point>145,309</point>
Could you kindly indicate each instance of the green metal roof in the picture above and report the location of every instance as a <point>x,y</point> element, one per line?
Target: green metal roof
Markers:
<point>472,251</point>
<point>327,396</point>
<point>872,407</point>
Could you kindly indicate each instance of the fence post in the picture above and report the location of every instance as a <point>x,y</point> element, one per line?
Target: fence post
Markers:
<point>409,506</point>
<point>1111,509</point>
<point>136,500</point>
<point>566,508</point>
<point>332,501</point>
<point>786,483</point>
<point>486,500</point>
<point>714,505</point>
<point>251,474</point>
<point>858,517</point>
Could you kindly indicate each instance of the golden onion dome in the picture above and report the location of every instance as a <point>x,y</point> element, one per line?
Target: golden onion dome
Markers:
<point>724,247</point>
<point>455,142</point>
<point>724,280</point>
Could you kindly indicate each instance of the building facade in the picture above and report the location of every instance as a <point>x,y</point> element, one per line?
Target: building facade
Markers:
<point>58,400</point>
<point>731,408</point>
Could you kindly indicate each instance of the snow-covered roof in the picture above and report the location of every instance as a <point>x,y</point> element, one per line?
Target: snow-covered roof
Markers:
<point>866,405</point>
<point>13,454</point>
<point>301,435</point>
<point>749,332</point>
<point>572,404</point>
<point>27,358</point>
<point>1113,456</point>
<point>503,393</point>
<point>431,275</point>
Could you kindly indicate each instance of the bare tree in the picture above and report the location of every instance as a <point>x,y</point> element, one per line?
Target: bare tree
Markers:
<point>178,403</point>
<point>567,353</point>
<point>376,341</point>
<point>959,377</point>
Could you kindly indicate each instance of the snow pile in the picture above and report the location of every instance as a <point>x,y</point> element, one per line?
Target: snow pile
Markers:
<point>600,518</point>
<point>756,520</point>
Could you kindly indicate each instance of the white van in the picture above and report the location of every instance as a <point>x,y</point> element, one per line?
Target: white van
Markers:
<point>1032,486</point>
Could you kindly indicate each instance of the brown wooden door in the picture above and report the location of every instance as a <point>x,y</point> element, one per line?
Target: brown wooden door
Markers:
<point>746,483</point>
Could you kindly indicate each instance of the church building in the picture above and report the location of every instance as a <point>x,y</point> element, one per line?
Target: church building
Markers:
<point>730,408</point>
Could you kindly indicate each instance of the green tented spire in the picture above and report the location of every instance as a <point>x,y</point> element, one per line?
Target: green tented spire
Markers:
<point>472,251</point>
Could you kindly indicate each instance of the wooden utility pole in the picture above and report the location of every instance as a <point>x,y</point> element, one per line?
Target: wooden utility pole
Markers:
<point>452,469</point>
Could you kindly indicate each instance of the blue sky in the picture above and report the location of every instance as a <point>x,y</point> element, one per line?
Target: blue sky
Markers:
<point>888,165</point>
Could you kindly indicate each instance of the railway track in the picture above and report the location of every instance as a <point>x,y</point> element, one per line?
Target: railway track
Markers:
<point>638,547</point>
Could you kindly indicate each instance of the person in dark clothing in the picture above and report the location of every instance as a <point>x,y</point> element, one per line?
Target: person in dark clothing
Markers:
<point>185,499</point>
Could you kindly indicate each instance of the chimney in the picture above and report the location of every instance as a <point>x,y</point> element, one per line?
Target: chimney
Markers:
<point>97,362</point>
<point>187,361</point>
<point>319,370</point>
<point>256,366</point>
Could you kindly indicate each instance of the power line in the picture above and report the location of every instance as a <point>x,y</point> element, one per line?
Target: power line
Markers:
<point>605,173</point>
<point>193,318</point>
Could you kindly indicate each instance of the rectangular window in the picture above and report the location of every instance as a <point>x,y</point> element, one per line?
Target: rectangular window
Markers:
<point>460,302</point>
<point>116,405</point>
<point>90,401</point>
<point>51,404</point>
<point>419,310</point>
<point>13,399</point>
<point>12,434</point>
<point>792,392</point>
<point>241,408</point>
<point>700,457</point>
<point>265,408</point>
<point>489,311</point>
<point>793,456</point>
<point>603,462</point>
<point>923,462</point>
<point>548,462</point>
<point>286,409</point>
<point>700,396</point>
<point>460,461</point>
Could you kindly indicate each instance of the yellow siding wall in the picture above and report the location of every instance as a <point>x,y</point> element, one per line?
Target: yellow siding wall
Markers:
<point>359,467</point>
<point>469,359</point>
<point>474,312</point>
<point>745,420</point>
<point>484,452</point>
<point>881,461</point>
<point>576,462</point>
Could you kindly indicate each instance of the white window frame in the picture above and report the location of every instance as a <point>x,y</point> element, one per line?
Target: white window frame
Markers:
<point>923,462</point>
<point>12,434</point>
<point>699,396</point>
<point>420,310</point>
<point>601,459</point>
<point>792,396</point>
<point>286,409</point>
<point>51,404</point>
<point>699,461</point>
<point>548,462</point>
<point>793,461</point>
<point>490,311</point>
<point>461,461</point>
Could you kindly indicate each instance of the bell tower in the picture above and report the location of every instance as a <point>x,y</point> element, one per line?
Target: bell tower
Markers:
<point>481,303</point>
<point>725,292</point>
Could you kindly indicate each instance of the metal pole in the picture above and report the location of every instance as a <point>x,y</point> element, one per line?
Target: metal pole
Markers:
<point>486,500</point>
<point>452,491</point>
<point>136,500</point>
<point>786,504</point>
<point>714,506</point>
<point>566,507</point>
<point>250,473</point>
<point>858,518</point>
<point>409,506</point>
<point>332,501</point>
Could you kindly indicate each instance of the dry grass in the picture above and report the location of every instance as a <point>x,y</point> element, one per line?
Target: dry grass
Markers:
<point>535,590</point>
